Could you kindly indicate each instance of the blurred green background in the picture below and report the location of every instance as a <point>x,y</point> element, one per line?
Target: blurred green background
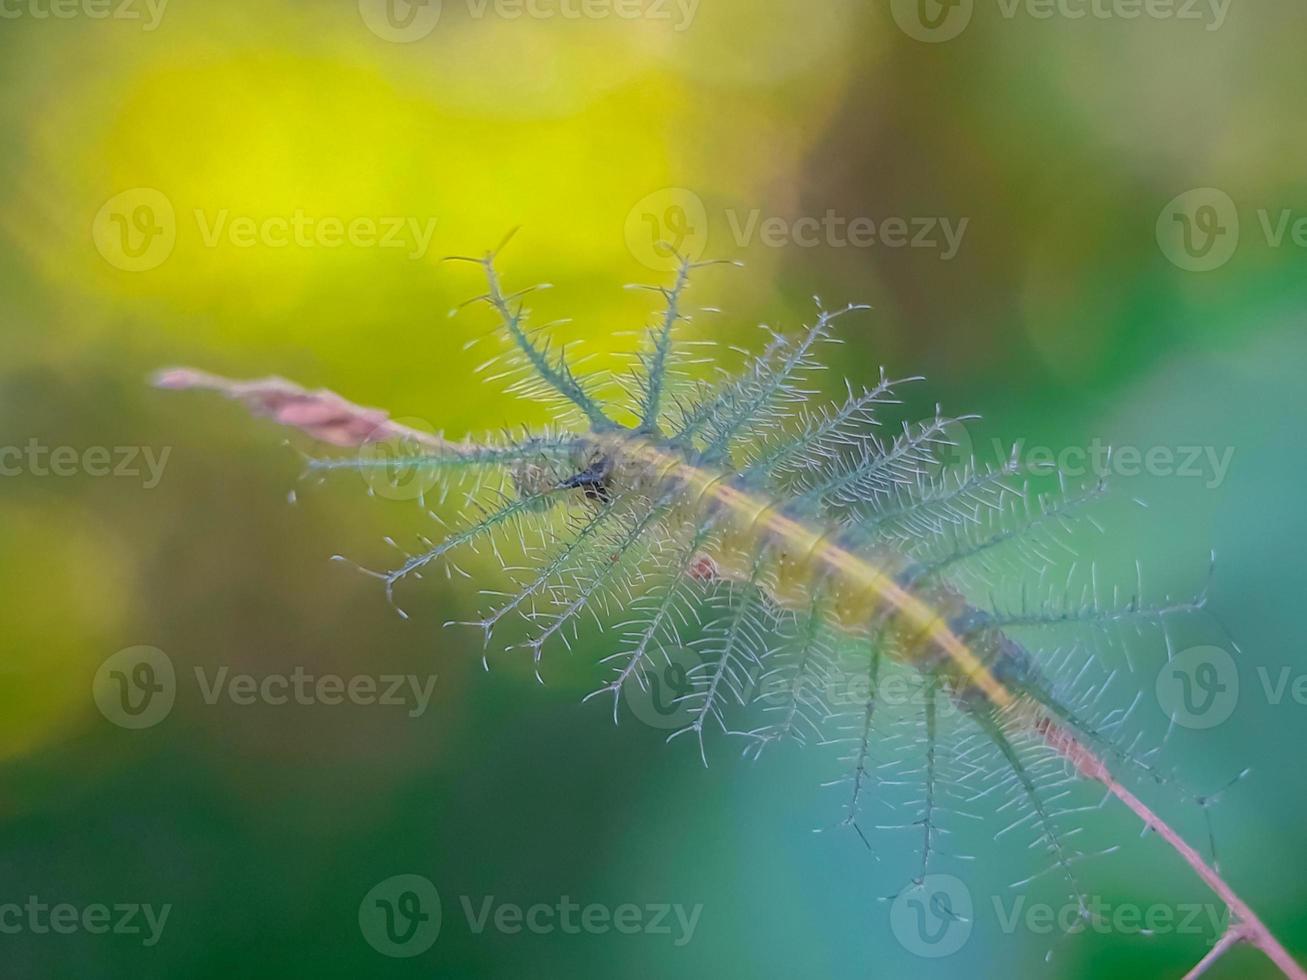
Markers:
<point>143,159</point>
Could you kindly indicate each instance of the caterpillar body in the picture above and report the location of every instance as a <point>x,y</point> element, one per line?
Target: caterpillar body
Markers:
<point>790,561</point>
<point>784,544</point>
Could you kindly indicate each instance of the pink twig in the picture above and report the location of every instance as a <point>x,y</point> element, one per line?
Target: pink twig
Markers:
<point>1244,924</point>
<point>322,414</point>
<point>1230,938</point>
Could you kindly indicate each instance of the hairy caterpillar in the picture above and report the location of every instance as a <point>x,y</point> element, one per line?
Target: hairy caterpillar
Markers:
<point>785,545</point>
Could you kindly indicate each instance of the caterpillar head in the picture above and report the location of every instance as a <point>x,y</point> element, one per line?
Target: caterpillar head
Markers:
<point>587,469</point>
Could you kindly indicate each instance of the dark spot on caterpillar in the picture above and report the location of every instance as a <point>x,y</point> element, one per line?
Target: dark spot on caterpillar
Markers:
<point>593,480</point>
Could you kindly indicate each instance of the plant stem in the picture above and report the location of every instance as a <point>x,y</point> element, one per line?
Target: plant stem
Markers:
<point>1245,926</point>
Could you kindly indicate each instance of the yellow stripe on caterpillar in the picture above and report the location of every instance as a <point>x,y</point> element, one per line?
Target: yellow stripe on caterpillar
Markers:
<point>633,455</point>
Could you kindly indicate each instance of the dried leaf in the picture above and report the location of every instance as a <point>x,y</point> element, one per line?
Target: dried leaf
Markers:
<point>320,413</point>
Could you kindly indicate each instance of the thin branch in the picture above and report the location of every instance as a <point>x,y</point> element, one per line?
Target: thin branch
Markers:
<point>1245,925</point>
<point>320,413</point>
<point>1231,937</point>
